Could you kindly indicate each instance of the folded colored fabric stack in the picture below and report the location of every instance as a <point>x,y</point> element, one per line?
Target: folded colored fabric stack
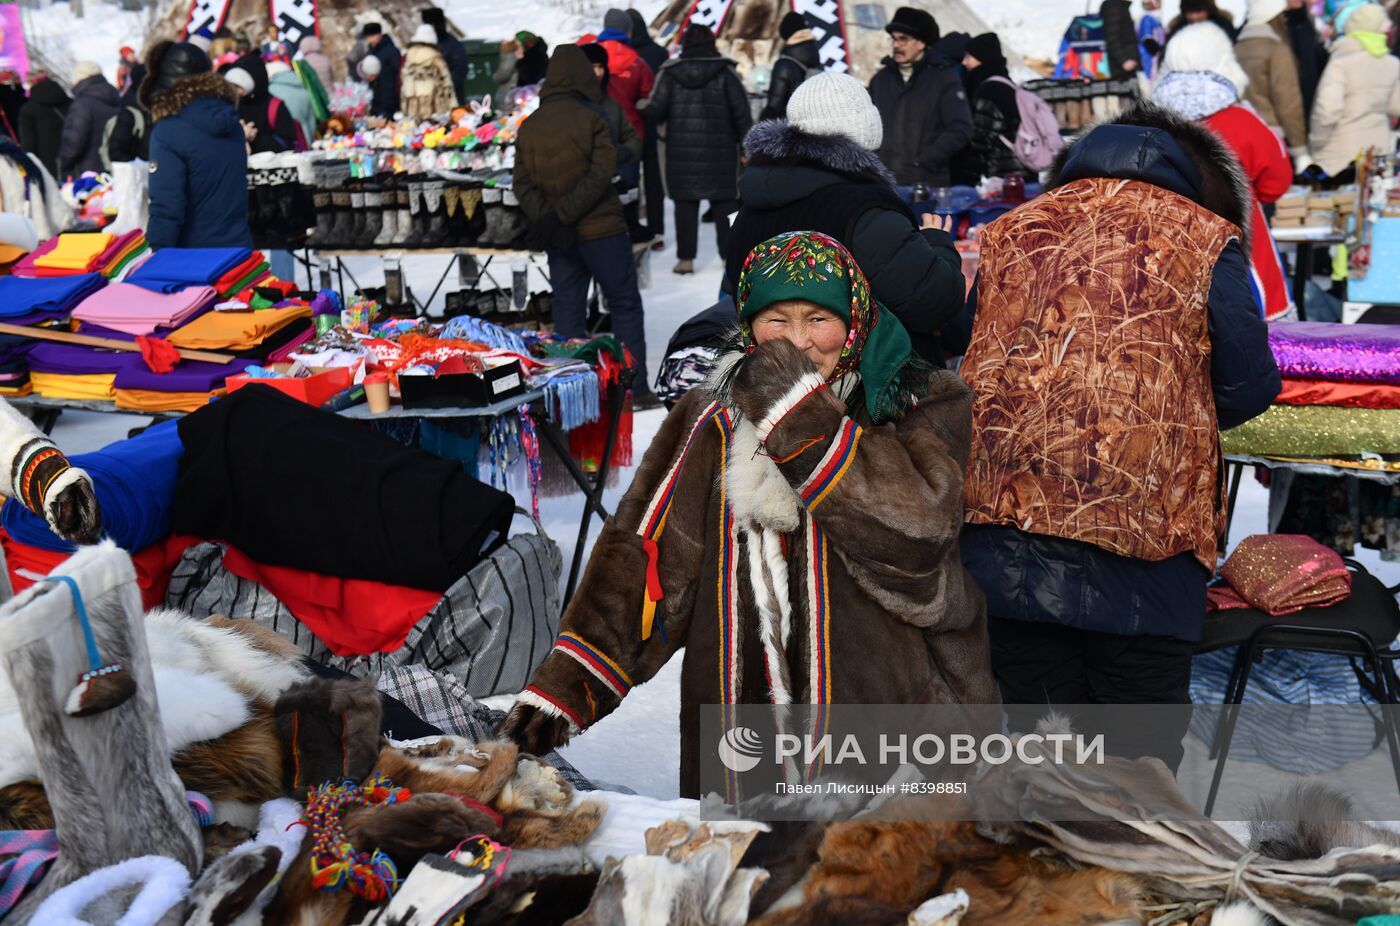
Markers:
<point>129,252</point>
<point>238,331</point>
<point>73,371</point>
<point>190,386</point>
<point>1340,396</point>
<point>135,484</point>
<point>74,253</point>
<point>131,309</point>
<point>21,298</point>
<point>250,272</point>
<point>170,269</point>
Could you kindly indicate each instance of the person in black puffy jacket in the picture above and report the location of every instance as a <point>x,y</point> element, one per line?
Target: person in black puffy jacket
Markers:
<point>994,114</point>
<point>130,138</point>
<point>699,99</point>
<point>94,102</point>
<point>1120,38</point>
<point>41,122</point>
<point>800,59</point>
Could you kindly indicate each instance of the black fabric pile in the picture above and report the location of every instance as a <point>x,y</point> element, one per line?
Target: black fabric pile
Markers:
<point>290,485</point>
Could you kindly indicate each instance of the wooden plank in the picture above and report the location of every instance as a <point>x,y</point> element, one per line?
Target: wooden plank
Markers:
<point>87,340</point>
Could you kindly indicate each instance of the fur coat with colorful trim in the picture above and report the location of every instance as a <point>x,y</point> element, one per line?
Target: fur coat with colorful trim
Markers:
<point>848,529</point>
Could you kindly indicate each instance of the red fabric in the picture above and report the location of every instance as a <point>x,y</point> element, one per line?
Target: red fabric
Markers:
<point>1350,395</point>
<point>239,272</point>
<point>153,565</point>
<point>160,357</point>
<point>353,617</point>
<point>629,79</point>
<point>1266,163</point>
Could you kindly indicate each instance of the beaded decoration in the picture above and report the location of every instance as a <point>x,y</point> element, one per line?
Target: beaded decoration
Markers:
<point>482,853</point>
<point>335,865</point>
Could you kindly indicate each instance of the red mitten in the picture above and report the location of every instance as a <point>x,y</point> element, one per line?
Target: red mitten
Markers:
<point>158,353</point>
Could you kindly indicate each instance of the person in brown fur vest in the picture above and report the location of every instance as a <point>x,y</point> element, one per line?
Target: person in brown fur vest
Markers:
<point>794,526</point>
<point>1115,336</point>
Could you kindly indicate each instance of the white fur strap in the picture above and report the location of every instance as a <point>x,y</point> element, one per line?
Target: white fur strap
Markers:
<point>808,384</point>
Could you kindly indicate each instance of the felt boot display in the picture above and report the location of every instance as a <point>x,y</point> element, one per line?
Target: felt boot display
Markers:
<point>107,776</point>
<point>321,201</point>
<point>403,222</point>
<point>389,221</point>
<point>512,220</point>
<point>374,217</point>
<point>340,228</point>
<point>491,205</point>
<point>435,231</point>
<point>417,215</point>
<point>355,235</point>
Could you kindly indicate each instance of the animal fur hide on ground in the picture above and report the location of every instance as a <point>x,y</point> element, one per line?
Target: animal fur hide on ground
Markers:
<point>1310,820</point>
<point>329,730</point>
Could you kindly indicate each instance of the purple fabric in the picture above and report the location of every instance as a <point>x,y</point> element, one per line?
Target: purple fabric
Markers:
<point>52,357</point>
<point>1345,353</point>
<point>33,850</point>
<point>188,376</point>
<point>36,318</point>
<point>136,310</point>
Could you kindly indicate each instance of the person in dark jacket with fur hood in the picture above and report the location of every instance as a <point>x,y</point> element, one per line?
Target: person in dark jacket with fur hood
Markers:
<point>1115,336</point>
<point>700,100</point>
<point>800,60</point>
<point>95,101</point>
<point>922,102</point>
<point>199,161</point>
<point>818,170</point>
<point>995,115</point>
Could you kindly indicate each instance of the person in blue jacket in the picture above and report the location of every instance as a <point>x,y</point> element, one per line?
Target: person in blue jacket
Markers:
<point>199,152</point>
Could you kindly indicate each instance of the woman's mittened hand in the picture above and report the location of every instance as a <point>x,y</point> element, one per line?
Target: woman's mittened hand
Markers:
<point>533,730</point>
<point>768,375</point>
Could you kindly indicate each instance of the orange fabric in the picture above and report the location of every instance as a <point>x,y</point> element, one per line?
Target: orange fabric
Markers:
<point>235,330</point>
<point>1352,395</point>
<point>148,400</point>
<point>1093,418</point>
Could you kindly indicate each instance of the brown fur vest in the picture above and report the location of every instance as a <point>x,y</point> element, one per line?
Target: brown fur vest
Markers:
<point>1090,360</point>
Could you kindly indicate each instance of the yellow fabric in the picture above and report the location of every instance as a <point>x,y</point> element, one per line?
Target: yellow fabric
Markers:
<point>9,254</point>
<point>17,391</point>
<point>76,251</point>
<point>235,330</point>
<point>148,400</point>
<point>73,386</point>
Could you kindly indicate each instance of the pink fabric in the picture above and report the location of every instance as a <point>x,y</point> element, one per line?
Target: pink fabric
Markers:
<point>135,310</point>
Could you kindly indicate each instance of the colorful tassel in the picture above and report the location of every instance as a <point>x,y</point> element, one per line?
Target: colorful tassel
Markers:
<point>335,865</point>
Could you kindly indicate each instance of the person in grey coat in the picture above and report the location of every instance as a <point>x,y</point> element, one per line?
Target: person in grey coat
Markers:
<point>700,100</point>
<point>94,102</point>
<point>923,106</point>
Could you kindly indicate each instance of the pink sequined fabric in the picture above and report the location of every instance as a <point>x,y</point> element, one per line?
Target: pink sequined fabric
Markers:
<point>1280,574</point>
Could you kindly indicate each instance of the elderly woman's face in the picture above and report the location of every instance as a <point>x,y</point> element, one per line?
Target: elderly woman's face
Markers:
<point>819,332</point>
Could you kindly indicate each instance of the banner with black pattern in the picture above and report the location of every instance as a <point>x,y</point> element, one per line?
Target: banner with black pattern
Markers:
<point>827,20</point>
<point>205,14</point>
<point>295,20</point>
<point>711,13</point>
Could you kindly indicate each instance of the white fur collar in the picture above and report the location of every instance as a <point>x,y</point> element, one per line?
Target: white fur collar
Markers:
<point>756,490</point>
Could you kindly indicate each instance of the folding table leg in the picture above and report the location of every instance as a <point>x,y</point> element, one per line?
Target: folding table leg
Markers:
<point>1227,721</point>
<point>1229,697</point>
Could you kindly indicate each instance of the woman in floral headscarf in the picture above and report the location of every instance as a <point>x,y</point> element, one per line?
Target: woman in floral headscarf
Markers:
<point>794,526</point>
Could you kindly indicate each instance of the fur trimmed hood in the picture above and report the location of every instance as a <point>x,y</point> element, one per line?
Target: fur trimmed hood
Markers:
<point>165,103</point>
<point>1157,146</point>
<point>776,141</point>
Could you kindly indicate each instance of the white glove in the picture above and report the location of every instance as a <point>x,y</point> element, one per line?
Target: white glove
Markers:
<point>1302,159</point>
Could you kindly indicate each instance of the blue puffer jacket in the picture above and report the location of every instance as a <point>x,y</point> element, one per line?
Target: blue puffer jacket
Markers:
<point>1033,577</point>
<point>199,167</point>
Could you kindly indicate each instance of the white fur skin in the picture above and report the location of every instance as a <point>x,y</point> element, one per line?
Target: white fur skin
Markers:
<point>1238,914</point>
<point>165,884</point>
<point>755,487</point>
<point>204,677</point>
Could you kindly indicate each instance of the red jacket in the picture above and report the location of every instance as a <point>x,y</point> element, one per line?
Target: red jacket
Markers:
<point>629,80</point>
<point>1270,172</point>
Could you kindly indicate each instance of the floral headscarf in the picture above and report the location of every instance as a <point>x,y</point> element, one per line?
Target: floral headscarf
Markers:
<point>816,268</point>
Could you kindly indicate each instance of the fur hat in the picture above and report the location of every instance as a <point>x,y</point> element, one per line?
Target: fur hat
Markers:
<point>792,24</point>
<point>371,28</point>
<point>85,69</point>
<point>174,65</point>
<point>424,35</point>
<point>240,79</point>
<point>915,23</point>
<point>619,20</point>
<point>1204,46</point>
<point>1369,17</point>
<point>986,48</point>
<point>1263,11</point>
<point>836,104</point>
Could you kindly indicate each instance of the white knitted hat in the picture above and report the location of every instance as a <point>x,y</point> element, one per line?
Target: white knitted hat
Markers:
<point>1262,11</point>
<point>836,104</point>
<point>85,69</point>
<point>240,79</point>
<point>1204,46</point>
<point>425,35</point>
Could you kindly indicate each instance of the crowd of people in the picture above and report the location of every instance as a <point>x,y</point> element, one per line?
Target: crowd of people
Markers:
<point>1091,554</point>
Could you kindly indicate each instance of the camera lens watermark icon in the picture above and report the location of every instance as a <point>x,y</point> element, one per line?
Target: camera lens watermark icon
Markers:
<point>740,749</point>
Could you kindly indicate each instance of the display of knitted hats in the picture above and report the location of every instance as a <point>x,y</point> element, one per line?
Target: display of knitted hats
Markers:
<point>108,777</point>
<point>1280,574</point>
<point>329,730</point>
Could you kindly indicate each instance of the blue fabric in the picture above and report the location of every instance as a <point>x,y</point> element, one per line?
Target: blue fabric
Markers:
<point>175,268</point>
<point>615,35</point>
<point>135,484</point>
<point>199,178</point>
<point>22,296</point>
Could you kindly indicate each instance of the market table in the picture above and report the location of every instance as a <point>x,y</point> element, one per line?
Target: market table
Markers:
<point>1305,239</point>
<point>45,413</point>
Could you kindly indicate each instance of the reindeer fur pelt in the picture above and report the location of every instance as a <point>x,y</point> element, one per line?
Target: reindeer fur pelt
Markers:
<point>329,730</point>
<point>1308,821</point>
<point>880,871</point>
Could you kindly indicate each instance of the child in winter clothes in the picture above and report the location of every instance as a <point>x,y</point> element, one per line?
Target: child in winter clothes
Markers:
<point>741,480</point>
<point>1203,81</point>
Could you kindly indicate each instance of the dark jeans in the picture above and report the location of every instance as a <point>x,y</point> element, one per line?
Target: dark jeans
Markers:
<point>610,262</point>
<point>1040,664</point>
<point>688,227</point>
<point>653,186</point>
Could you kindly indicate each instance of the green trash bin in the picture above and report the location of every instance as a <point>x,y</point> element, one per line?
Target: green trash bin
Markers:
<point>483,56</point>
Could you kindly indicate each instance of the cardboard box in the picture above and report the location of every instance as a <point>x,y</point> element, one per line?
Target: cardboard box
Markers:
<point>463,390</point>
<point>314,390</point>
<point>1293,200</point>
